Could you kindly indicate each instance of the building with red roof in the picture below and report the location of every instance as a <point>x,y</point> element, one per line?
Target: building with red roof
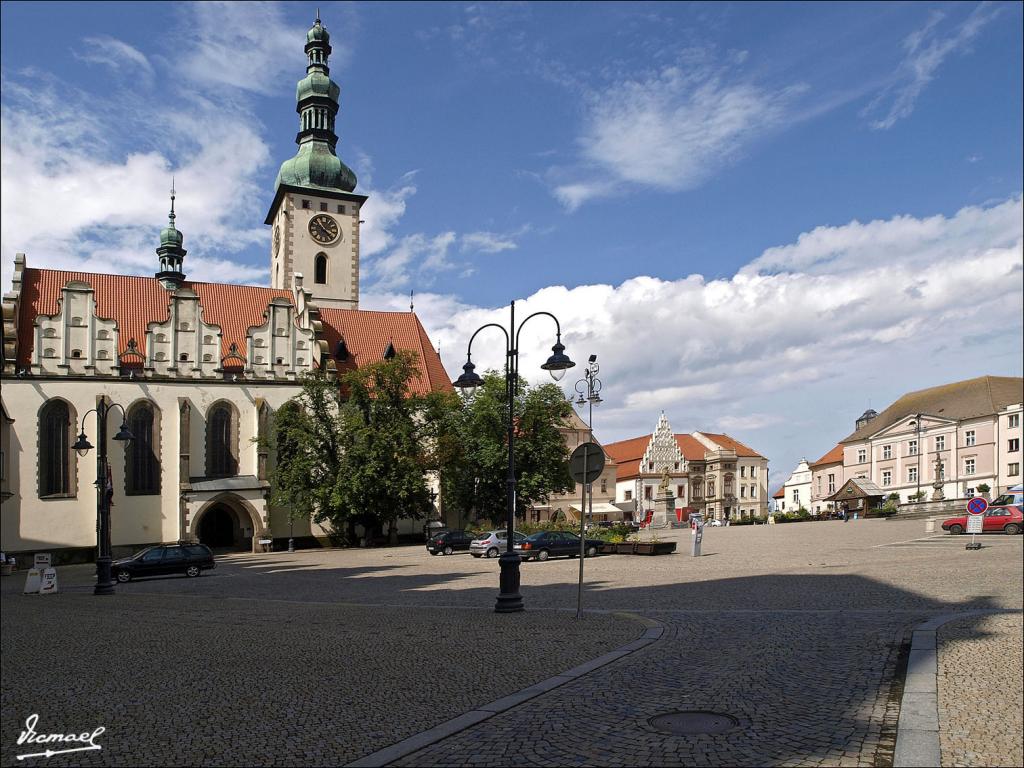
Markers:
<point>705,472</point>
<point>197,370</point>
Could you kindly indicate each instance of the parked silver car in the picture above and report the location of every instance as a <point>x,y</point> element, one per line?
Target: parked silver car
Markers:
<point>492,544</point>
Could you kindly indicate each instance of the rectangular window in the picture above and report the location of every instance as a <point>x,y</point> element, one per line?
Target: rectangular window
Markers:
<point>968,466</point>
<point>912,448</point>
<point>341,209</point>
<point>911,474</point>
<point>743,471</point>
<point>862,455</point>
<point>969,438</point>
<point>604,485</point>
<point>629,495</point>
<point>305,204</point>
<point>743,491</point>
<point>1013,469</point>
<point>970,492</point>
<point>886,451</point>
<point>887,477</point>
<point>1013,445</point>
<point>1013,420</point>
<point>831,483</point>
<point>753,491</point>
<point>648,492</point>
<point>323,207</point>
<point>796,495</point>
<point>940,443</point>
<point>753,472</point>
<point>679,491</point>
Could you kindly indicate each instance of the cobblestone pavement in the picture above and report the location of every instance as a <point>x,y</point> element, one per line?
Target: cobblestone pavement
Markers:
<point>320,657</point>
<point>235,682</point>
<point>981,691</point>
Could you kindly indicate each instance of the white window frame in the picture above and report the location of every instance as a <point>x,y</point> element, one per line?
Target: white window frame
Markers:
<point>912,448</point>
<point>887,477</point>
<point>911,474</point>
<point>940,442</point>
<point>862,456</point>
<point>1013,420</point>
<point>887,451</point>
<point>1013,445</point>
<point>970,438</point>
<point>970,466</point>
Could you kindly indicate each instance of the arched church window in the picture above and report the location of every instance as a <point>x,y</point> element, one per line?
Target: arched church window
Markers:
<point>221,441</point>
<point>55,449</point>
<point>320,269</point>
<point>142,457</point>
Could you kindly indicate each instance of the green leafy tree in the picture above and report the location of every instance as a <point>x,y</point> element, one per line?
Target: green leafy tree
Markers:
<point>353,450</point>
<point>473,479</point>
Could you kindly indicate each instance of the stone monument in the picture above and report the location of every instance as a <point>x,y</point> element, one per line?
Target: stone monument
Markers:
<point>664,504</point>
<point>937,494</point>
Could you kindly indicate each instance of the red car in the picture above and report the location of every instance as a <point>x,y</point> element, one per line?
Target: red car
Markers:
<point>1003,516</point>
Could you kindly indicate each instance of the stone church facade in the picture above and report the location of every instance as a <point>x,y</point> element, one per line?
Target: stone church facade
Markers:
<point>195,370</point>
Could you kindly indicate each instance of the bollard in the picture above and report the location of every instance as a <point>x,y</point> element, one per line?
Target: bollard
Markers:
<point>929,525</point>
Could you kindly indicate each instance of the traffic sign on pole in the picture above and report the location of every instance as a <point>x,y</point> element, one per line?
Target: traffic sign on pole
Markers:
<point>586,463</point>
<point>977,506</point>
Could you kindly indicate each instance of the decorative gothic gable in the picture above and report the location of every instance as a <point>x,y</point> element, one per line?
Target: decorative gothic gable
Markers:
<point>184,345</point>
<point>663,450</point>
<point>279,348</point>
<point>74,340</point>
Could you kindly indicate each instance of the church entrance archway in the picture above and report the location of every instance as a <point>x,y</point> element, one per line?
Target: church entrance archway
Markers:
<point>220,528</point>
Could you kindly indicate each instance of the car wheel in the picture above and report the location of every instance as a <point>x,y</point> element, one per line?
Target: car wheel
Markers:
<point>956,530</point>
<point>434,554</point>
<point>543,555</point>
<point>492,552</point>
<point>1013,529</point>
<point>448,550</point>
<point>591,551</point>
<point>192,571</point>
<point>124,576</point>
<point>474,554</point>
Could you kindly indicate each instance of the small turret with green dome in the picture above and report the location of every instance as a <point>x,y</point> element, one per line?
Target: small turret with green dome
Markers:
<point>316,164</point>
<point>171,253</point>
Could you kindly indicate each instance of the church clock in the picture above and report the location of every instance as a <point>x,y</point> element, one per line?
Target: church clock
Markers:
<point>324,229</point>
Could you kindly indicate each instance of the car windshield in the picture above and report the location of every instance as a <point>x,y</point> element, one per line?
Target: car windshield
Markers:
<point>1007,499</point>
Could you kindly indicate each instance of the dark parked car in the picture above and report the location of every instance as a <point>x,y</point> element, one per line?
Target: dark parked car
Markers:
<point>545,544</point>
<point>190,559</point>
<point>448,542</point>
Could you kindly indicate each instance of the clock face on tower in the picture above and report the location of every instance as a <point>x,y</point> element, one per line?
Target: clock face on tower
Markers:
<point>324,229</point>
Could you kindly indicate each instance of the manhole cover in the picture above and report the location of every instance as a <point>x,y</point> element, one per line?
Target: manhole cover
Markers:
<point>693,722</point>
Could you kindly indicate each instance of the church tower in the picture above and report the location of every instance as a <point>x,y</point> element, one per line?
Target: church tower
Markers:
<point>315,214</point>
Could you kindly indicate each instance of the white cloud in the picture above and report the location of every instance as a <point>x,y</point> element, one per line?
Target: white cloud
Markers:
<point>669,130</point>
<point>926,49</point>
<point>115,54</point>
<point>487,242</point>
<point>248,46</point>
<point>786,353</point>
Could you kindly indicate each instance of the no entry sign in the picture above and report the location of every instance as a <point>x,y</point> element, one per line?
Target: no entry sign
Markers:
<point>977,506</point>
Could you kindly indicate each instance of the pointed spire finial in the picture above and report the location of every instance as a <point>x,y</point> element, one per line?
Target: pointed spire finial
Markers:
<point>317,15</point>
<point>410,301</point>
<point>171,215</point>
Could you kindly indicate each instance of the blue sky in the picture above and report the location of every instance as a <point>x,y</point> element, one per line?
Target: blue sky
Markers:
<point>763,218</point>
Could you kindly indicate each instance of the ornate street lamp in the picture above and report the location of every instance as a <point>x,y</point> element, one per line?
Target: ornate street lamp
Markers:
<point>591,385</point>
<point>509,600</point>
<point>104,582</point>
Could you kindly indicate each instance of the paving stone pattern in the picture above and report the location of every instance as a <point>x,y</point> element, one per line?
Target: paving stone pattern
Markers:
<point>183,681</point>
<point>981,691</point>
<point>321,657</point>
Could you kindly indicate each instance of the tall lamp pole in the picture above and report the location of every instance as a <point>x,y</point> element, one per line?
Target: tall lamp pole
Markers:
<point>591,385</point>
<point>916,423</point>
<point>509,600</point>
<point>104,581</point>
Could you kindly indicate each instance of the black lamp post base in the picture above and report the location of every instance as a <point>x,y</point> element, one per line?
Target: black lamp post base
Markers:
<point>509,600</point>
<point>104,579</point>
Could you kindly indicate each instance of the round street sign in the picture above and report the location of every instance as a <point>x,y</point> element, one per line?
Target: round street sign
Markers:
<point>587,455</point>
<point>977,506</point>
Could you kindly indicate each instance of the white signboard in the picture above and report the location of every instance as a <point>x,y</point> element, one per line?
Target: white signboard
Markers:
<point>975,523</point>
<point>42,560</point>
<point>49,582</point>
<point>32,580</point>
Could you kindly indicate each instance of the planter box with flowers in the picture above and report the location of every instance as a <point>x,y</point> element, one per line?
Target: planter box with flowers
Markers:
<point>652,547</point>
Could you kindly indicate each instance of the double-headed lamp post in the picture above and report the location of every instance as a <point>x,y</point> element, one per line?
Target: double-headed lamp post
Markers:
<point>588,390</point>
<point>509,600</point>
<point>104,582</point>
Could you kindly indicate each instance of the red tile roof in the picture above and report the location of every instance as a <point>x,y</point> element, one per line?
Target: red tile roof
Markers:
<point>134,301</point>
<point>367,334</point>
<point>780,494</point>
<point>691,448</point>
<point>731,443</point>
<point>835,456</point>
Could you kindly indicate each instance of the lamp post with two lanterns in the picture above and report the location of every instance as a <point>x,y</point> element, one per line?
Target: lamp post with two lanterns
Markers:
<point>104,580</point>
<point>588,390</point>
<point>509,600</point>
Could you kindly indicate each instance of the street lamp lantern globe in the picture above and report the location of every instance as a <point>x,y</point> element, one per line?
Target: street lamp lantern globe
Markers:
<point>559,362</point>
<point>580,401</point>
<point>124,434</point>
<point>468,381</point>
<point>82,445</point>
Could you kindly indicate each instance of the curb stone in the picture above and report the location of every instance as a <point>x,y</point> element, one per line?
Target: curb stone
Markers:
<point>401,749</point>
